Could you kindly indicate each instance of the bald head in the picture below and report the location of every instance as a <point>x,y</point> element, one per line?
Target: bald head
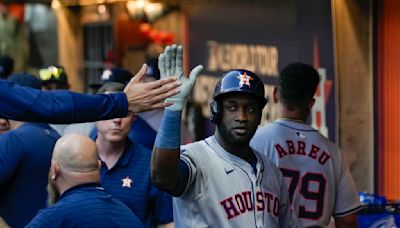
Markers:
<point>76,153</point>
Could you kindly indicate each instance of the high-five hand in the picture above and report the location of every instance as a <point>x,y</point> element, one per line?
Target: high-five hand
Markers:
<point>144,96</point>
<point>170,63</point>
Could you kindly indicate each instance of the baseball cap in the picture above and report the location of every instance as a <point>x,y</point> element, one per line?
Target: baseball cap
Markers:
<point>25,79</point>
<point>114,74</point>
<point>53,73</point>
<point>111,87</point>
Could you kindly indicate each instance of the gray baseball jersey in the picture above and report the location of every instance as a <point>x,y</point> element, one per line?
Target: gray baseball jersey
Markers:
<point>319,181</point>
<point>225,191</point>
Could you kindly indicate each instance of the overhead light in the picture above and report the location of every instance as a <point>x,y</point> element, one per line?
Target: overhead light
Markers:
<point>153,10</point>
<point>55,4</point>
<point>103,12</point>
<point>135,9</point>
<point>141,3</point>
<point>139,9</point>
<point>102,9</point>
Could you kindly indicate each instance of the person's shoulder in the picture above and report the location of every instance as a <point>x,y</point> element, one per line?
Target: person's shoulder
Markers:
<point>330,146</point>
<point>12,138</point>
<point>98,203</point>
<point>7,135</point>
<point>44,218</point>
<point>34,128</point>
<point>194,145</point>
<point>47,216</point>
<point>265,130</point>
<point>140,123</point>
<point>198,152</point>
<point>327,141</point>
<point>138,149</point>
<point>72,202</point>
<point>140,153</point>
<point>266,127</point>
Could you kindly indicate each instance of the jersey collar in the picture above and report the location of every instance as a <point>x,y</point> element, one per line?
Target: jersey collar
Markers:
<point>295,125</point>
<point>233,159</point>
<point>81,187</point>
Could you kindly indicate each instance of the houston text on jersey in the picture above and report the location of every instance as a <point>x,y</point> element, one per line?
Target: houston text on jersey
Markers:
<point>241,203</point>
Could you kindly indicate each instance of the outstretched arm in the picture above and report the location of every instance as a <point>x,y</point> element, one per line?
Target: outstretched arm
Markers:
<point>26,104</point>
<point>168,172</point>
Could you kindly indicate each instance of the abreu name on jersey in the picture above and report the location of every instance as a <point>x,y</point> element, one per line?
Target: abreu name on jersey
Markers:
<point>299,148</point>
<point>241,203</point>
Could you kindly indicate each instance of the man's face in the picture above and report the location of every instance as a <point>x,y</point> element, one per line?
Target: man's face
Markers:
<point>4,125</point>
<point>115,130</point>
<point>240,118</point>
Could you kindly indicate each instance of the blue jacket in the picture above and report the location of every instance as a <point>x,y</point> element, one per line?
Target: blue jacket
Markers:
<point>86,205</point>
<point>26,104</point>
<point>25,157</point>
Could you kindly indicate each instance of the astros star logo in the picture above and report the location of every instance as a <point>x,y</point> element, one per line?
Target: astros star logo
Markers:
<point>244,79</point>
<point>106,74</point>
<point>126,182</point>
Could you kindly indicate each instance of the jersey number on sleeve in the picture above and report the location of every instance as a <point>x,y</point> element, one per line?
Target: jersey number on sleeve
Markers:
<point>305,183</point>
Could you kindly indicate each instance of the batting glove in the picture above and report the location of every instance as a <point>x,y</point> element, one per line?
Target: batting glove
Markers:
<point>170,63</point>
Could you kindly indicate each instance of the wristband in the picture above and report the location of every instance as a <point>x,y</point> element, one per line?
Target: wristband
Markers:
<point>169,134</point>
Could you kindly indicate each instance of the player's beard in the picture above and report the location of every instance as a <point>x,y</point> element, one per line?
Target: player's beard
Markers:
<point>52,193</point>
<point>228,137</point>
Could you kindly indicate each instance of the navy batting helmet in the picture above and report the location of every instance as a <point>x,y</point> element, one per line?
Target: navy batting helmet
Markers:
<point>237,81</point>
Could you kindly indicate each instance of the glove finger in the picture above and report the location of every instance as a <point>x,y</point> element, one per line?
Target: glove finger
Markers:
<point>161,65</point>
<point>179,62</point>
<point>194,73</point>
<point>168,60</point>
<point>173,65</point>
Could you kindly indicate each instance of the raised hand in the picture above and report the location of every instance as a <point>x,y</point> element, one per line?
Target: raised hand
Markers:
<point>170,64</point>
<point>144,96</point>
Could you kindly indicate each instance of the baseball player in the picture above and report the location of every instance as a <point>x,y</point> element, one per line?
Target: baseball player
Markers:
<point>219,181</point>
<point>318,178</point>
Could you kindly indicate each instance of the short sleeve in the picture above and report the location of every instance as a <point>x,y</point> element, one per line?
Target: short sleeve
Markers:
<point>347,200</point>
<point>195,158</point>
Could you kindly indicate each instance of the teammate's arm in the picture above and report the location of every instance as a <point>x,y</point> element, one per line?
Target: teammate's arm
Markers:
<point>27,104</point>
<point>168,171</point>
<point>348,221</point>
